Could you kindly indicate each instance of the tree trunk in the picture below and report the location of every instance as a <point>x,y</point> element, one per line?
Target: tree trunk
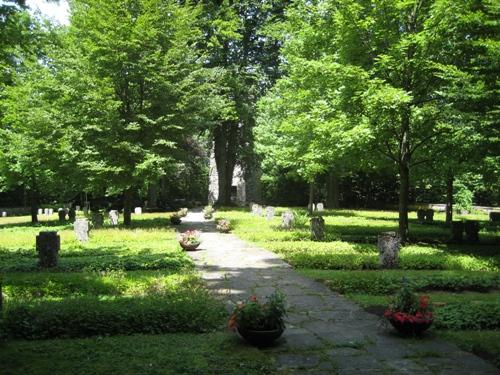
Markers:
<point>33,201</point>
<point>333,191</point>
<point>404,175</point>
<point>449,199</point>
<point>225,147</point>
<point>311,198</point>
<point>127,207</point>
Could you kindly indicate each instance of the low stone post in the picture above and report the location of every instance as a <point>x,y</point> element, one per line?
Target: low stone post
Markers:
<point>62,215</point>
<point>48,245</point>
<point>457,231</point>
<point>471,230</point>
<point>389,244</point>
<point>317,228</point>
<point>97,219</point>
<point>113,217</point>
<point>81,227</point>
<point>287,219</point>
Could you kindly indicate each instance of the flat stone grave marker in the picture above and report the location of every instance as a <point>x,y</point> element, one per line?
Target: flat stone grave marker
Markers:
<point>287,219</point>
<point>138,211</point>
<point>81,227</point>
<point>270,212</point>
<point>113,217</point>
<point>320,207</point>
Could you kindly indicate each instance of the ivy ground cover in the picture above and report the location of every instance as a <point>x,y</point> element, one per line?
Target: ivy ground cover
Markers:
<point>128,299</point>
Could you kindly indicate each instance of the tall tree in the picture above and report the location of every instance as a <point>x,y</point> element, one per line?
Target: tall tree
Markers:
<point>236,41</point>
<point>143,88</point>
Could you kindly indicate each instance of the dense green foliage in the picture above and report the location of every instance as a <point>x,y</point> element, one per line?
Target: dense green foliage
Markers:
<point>122,281</point>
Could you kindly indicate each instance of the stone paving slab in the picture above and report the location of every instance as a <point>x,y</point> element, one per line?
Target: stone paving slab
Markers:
<point>326,333</point>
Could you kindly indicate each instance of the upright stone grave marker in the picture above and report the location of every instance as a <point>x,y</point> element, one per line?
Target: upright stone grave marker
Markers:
<point>46,211</point>
<point>97,219</point>
<point>61,212</point>
<point>48,245</point>
<point>287,220</point>
<point>317,228</point>
<point>254,208</point>
<point>389,244</point>
<point>71,215</point>
<point>457,231</point>
<point>4,214</point>
<point>113,217</point>
<point>81,227</point>
<point>138,211</point>
<point>86,210</point>
<point>40,211</point>
<point>471,230</point>
<point>77,208</point>
<point>51,211</point>
<point>270,212</point>
<point>320,207</point>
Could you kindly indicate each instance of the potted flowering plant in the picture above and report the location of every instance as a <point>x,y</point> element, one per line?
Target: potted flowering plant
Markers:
<point>260,323</point>
<point>408,313</point>
<point>189,240</point>
<point>224,226</point>
<point>208,212</point>
<point>175,219</point>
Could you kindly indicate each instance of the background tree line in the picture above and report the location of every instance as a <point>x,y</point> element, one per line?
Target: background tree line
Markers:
<point>349,101</point>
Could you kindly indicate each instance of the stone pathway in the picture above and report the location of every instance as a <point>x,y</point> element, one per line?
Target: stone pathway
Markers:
<point>326,334</point>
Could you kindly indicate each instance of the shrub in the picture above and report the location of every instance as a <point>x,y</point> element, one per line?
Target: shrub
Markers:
<point>475,316</point>
<point>387,282</point>
<point>81,317</point>
<point>172,261</point>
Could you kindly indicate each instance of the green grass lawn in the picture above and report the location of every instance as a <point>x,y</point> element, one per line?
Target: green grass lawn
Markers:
<point>462,279</point>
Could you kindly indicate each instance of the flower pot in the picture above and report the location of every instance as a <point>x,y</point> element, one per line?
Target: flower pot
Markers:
<point>189,247</point>
<point>410,328</point>
<point>260,338</point>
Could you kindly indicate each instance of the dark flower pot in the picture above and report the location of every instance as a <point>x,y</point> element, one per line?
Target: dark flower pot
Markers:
<point>189,247</point>
<point>410,328</point>
<point>260,338</point>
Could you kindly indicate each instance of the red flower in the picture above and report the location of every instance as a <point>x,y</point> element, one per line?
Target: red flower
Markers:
<point>424,302</point>
<point>253,298</point>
